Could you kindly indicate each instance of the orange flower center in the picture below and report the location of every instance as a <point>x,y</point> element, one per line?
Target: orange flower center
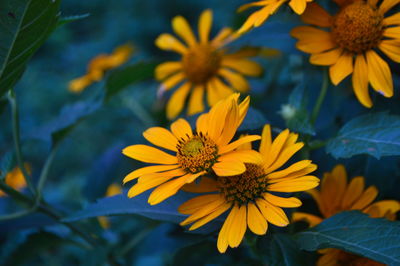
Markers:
<point>246,187</point>
<point>358,27</point>
<point>201,63</point>
<point>197,153</point>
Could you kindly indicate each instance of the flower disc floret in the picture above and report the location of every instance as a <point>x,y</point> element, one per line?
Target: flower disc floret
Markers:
<point>197,153</point>
<point>244,188</point>
<point>358,27</point>
<point>201,63</point>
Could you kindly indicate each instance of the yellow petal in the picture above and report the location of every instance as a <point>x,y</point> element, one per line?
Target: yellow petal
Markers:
<point>229,168</point>
<point>148,170</point>
<point>273,214</point>
<point>282,202</point>
<point>353,192</point>
<point>233,145</point>
<point>212,95</point>
<point>193,205</point>
<point>166,69</point>
<point>79,84</point>
<point>255,220</point>
<point>168,42</point>
<point>360,81</point>
<point>161,137</point>
<point>221,36</point>
<point>167,189</point>
<point>204,210</point>
<point>196,104</point>
<point>238,227</point>
<point>296,185</point>
<point>366,198</point>
<point>181,129</point>
<point>298,6</point>
<point>177,101</point>
<point>276,148</point>
<point>284,156</point>
<point>342,68</point>
<point>182,28</point>
<point>392,20</point>
<point>222,90</point>
<point>327,58</point>
<point>391,48</point>
<point>243,66</point>
<point>384,206</point>
<point>205,23</point>
<point>236,80</point>
<point>172,81</point>
<point>266,140</point>
<point>222,242</point>
<point>246,156</point>
<point>315,46</point>
<point>379,74</point>
<point>217,212</point>
<point>309,33</point>
<point>149,154</point>
<point>312,220</point>
<point>291,169</point>
<point>387,5</point>
<point>316,15</point>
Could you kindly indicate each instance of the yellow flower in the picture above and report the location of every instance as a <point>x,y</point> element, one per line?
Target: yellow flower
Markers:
<point>250,196</point>
<point>208,148</point>
<point>203,66</point>
<point>268,8</point>
<point>350,44</point>
<point>112,190</point>
<point>99,65</point>
<point>335,196</point>
<point>15,179</point>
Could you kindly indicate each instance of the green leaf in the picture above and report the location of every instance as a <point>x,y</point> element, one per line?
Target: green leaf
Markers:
<point>68,19</point>
<point>57,129</point>
<point>6,164</point>
<point>24,26</point>
<point>123,77</point>
<point>374,134</point>
<point>122,205</point>
<point>355,232</point>
<point>281,249</point>
<point>295,113</point>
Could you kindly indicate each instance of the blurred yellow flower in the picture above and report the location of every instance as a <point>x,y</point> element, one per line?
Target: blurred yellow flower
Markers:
<point>335,196</point>
<point>99,65</point>
<point>204,66</point>
<point>251,196</point>
<point>208,148</point>
<point>112,190</point>
<point>15,179</point>
<point>350,44</point>
<point>268,8</point>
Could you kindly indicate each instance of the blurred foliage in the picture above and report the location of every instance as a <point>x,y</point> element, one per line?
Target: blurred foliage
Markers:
<point>90,129</point>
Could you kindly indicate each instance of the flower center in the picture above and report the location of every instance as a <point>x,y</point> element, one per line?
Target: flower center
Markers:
<point>246,187</point>
<point>196,154</point>
<point>201,63</point>
<point>357,27</point>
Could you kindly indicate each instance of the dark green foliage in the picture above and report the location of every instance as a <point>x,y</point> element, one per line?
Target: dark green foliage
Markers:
<point>24,26</point>
<point>355,232</point>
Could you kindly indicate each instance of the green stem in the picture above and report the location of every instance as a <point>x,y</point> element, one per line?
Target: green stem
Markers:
<point>321,97</point>
<point>46,209</point>
<point>45,172</point>
<point>15,215</point>
<point>17,142</point>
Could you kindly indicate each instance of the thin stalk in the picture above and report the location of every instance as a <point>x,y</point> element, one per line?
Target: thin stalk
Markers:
<point>321,97</point>
<point>17,141</point>
<point>134,241</point>
<point>15,215</point>
<point>45,172</point>
<point>48,210</point>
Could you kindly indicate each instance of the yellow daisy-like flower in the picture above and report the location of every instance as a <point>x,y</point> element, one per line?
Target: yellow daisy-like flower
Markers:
<point>250,196</point>
<point>335,196</point>
<point>208,148</point>
<point>350,43</point>
<point>268,7</point>
<point>99,65</point>
<point>112,190</point>
<point>203,66</point>
<point>15,179</point>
